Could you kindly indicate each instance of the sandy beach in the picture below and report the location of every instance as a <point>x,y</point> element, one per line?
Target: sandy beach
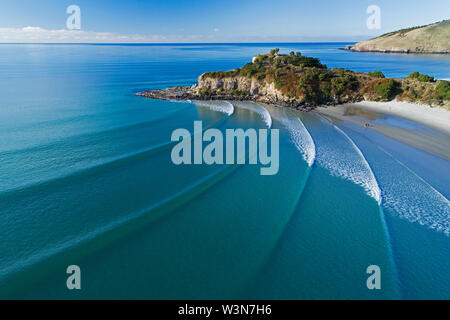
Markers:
<point>434,117</point>
<point>368,115</point>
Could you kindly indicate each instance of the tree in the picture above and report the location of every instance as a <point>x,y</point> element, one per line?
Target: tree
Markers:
<point>376,74</point>
<point>274,51</point>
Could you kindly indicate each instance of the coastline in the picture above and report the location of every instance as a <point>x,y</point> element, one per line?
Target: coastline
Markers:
<point>400,51</point>
<point>181,93</point>
<point>436,118</point>
<point>426,39</point>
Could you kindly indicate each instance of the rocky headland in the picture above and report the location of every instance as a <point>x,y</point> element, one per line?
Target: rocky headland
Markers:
<point>304,83</point>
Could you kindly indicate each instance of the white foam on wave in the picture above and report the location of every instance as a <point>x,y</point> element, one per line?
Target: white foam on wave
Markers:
<point>403,192</point>
<point>180,101</point>
<point>412,198</point>
<point>219,106</point>
<point>342,158</point>
<point>300,137</point>
<point>266,117</point>
<point>371,184</point>
<point>259,109</point>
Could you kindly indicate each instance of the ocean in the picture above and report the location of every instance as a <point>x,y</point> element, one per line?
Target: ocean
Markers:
<point>86,179</point>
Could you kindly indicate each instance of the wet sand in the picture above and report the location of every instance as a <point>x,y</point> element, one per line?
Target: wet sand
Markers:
<point>427,130</point>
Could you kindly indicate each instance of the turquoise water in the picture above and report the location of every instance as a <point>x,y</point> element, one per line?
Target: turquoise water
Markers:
<point>86,178</point>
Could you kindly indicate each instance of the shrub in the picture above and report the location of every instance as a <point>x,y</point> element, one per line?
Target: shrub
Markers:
<point>276,74</point>
<point>260,76</point>
<point>420,77</point>
<point>343,83</point>
<point>302,61</point>
<point>251,69</point>
<point>325,75</point>
<point>276,63</point>
<point>310,76</point>
<point>278,84</point>
<point>205,92</point>
<point>315,86</point>
<point>376,74</point>
<point>386,90</point>
<point>442,90</point>
<point>325,89</point>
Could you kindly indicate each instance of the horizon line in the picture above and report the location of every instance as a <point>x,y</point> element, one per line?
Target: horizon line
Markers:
<point>167,43</point>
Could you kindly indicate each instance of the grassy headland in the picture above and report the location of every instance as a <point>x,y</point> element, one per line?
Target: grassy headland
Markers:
<point>432,38</point>
<point>304,81</point>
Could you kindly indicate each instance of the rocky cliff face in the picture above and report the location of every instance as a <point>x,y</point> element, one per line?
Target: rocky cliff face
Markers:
<point>258,90</point>
<point>251,86</point>
<point>245,88</point>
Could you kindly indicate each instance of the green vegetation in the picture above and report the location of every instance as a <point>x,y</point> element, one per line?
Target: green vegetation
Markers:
<point>387,89</point>
<point>318,85</point>
<point>274,51</point>
<point>251,69</point>
<point>376,74</point>
<point>265,64</point>
<point>401,32</point>
<point>205,92</point>
<point>442,90</point>
<point>308,81</point>
<point>208,92</point>
<point>301,61</point>
<point>295,75</point>
<point>309,84</point>
<point>420,77</point>
<point>222,74</point>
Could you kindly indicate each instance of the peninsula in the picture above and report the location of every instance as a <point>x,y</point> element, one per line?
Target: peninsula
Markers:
<point>430,39</point>
<point>304,83</point>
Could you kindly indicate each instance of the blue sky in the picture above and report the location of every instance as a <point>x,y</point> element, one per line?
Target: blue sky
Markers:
<point>210,21</point>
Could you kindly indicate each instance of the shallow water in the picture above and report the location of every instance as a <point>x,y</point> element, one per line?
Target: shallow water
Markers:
<point>86,178</point>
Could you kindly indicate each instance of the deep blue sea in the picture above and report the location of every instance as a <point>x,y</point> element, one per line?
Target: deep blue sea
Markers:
<point>86,179</point>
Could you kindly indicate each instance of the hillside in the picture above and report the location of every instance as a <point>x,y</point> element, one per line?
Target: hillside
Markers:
<point>432,38</point>
<point>303,82</point>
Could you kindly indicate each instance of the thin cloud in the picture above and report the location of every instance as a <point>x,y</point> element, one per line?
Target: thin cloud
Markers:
<point>40,35</point>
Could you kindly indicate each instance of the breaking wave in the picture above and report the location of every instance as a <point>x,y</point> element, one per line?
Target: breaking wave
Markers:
<point>259,109</point>
<point>342,158</point>
<point>422,204</point>
<point>371,184</point>
<point>300,136</point>
<point>219,106</point>
<point>404,193</point>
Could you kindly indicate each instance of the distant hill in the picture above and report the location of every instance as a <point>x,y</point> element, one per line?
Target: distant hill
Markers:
<point>432,38</point>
